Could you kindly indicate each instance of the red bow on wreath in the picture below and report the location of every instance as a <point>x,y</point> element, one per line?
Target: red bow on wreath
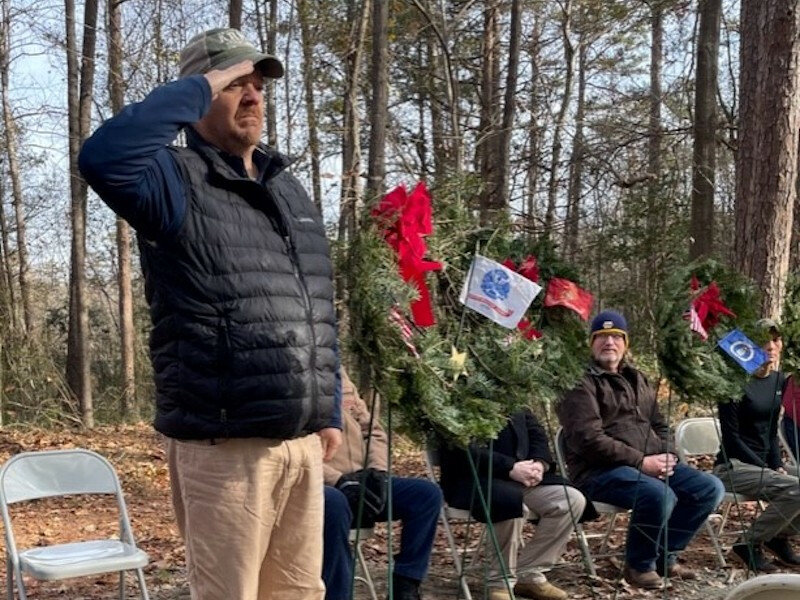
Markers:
<point>404,220</point>
<point>709,305</point>
<point>528,268</point>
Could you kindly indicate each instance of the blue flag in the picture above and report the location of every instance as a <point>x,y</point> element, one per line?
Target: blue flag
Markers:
<point>743,350</point>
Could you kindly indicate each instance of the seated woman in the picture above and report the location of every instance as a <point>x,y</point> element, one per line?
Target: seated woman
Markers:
<point>523,475</point>
<point>749,462</point>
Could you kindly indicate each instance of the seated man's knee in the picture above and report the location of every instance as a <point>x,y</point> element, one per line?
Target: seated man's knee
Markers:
<point>336,506</point>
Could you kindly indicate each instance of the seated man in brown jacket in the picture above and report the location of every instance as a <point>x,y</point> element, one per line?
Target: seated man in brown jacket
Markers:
<point>361,461</point>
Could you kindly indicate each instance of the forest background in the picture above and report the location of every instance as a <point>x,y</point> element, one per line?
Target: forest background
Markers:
<point>633,135</point>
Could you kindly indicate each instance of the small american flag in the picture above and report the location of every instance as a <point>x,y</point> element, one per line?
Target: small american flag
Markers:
<point>405,329</point>
<point>695,324</point>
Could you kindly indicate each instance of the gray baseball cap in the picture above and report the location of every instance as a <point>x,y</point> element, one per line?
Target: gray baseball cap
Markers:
<point>223,48</point>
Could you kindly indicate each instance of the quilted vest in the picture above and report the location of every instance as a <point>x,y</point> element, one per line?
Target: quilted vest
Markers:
<point>241,299</point>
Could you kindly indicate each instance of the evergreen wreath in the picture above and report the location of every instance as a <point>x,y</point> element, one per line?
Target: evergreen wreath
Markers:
<point>500,371</point>
<point>696,368</point>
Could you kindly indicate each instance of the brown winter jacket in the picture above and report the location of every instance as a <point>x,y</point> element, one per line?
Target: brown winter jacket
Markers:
<point>355,433</point>
<point>610,420</point>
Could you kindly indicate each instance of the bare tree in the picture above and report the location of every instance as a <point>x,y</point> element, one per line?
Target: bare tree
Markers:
<point>558,126</point>
<point>307,41</point>
<point>127,333</point>
<point>235,14</point>
<point>10,139</point>
<point>701,241</point>
<point>79,103</point>
<point>766,164</point>
<point>574,189</point>
<point>380,98</point>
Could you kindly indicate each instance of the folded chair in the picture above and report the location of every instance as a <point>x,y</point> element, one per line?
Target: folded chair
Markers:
<point>699,436</point>
<point>608,510</point>
<point>35,475</point>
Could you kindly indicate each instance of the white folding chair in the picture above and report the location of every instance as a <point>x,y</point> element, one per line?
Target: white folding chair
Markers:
<point>357,538</point>
<point>34,475</point>
<point>700,436</point>
<point>608,510</point>
<point>783,586</point>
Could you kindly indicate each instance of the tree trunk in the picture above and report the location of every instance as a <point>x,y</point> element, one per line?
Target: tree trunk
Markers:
<point>268,45</point>
<point>656,215</point>
<point>487,145</point>
<point>235,14</point>
<point>701,240</point>
<point>558,126</point>
<point>116,84</point>
<point>575,188</point>
<point>6,280</point>
<point>534,130</point>
<point>10,139</point>
<point>79,101</point>
<point>766,164</point>
<point>509,105</point>
<point>309,82</point>
<point>358,16</point>
<point>380,99</point>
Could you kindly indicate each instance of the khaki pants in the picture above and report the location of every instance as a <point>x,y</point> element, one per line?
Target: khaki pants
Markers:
<point>781,518</point>
<point>250,512</point>
<point>558,507</point>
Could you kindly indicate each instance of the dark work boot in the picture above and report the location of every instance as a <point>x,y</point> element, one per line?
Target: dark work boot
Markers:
<point>782,551</point>
<point>405,588</point>
<point>752,557</point>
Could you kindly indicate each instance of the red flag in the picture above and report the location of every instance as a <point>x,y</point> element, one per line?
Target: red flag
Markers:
<point>563,292</point>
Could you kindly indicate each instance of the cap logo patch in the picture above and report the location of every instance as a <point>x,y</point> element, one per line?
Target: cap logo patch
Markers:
<point>608,324</point>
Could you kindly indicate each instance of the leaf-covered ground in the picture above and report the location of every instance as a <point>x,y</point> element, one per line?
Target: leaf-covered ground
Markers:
<point>137,454</point>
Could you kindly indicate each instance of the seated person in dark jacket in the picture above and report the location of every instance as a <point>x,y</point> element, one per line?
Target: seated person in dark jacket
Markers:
<point>618,449</point>
<point>524,483</point>
<point>749,462</point>
<point>363,459</point>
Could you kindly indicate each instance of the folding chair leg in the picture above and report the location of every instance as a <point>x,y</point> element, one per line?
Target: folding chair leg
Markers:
<point>583,544</point>
<point>9,579</point>
<point>142,586</point>
<point>611,521</point>
<point>367,578</point>
<point>715,542</point>
<point>451,541</point>
<point>122,585</point>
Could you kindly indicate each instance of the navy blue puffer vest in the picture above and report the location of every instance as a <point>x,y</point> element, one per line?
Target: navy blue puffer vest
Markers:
<point>243,341</point>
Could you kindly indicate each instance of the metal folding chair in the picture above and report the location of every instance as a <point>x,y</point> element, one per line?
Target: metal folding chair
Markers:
<point>700,436</point>
<point>357,538</point>
<point>608,510</point>
<point>34,475</point>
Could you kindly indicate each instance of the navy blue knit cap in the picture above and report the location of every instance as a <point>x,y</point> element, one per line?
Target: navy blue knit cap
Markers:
<point>609,321</point>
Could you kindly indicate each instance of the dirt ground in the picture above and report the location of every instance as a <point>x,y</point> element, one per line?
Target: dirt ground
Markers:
<point>137,454</point>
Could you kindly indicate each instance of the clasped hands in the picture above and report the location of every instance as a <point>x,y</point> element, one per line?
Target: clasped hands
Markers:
<point>659,465</point>
<point>527,472</point>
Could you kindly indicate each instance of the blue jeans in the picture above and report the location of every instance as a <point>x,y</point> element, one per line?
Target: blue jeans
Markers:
<point>415,502</point>
<point>666,514</point>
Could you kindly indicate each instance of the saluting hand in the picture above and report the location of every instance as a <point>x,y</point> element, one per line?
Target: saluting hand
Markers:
<point>220,79</point>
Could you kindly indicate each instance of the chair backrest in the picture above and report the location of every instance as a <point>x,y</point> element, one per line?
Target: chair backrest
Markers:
<point>697,436</point>
<point>48,473</point>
